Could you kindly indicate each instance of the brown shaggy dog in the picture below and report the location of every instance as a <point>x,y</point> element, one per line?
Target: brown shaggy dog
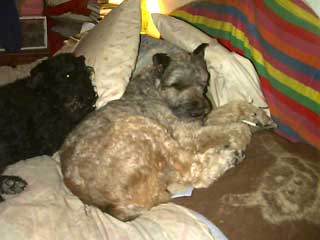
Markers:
<point>124,157</point>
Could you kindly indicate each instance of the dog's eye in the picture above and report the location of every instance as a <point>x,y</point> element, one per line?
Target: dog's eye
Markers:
<point>67,75</point>
<point>178,86</point>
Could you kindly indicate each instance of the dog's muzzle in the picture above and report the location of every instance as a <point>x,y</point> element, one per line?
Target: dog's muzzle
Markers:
<point>198,109</point>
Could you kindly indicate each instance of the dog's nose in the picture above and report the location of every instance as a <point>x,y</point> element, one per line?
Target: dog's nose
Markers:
<point>196,113</point>
<point>199,109</point>
<point>81,59</point>
<point>270,125</point>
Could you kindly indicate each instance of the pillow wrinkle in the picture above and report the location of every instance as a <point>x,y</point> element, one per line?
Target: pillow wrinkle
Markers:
<point>111,48</point>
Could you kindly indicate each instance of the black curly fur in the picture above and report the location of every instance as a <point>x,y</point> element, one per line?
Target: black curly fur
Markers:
<point>37,112</point>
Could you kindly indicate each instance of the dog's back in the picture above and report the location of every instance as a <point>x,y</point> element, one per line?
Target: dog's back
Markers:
<point>18,104</point>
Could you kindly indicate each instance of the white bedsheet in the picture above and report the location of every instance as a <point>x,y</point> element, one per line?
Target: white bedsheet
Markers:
<point>46,210</point>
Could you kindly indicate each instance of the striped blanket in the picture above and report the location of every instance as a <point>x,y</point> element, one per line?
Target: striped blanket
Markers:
<point>282,39</point>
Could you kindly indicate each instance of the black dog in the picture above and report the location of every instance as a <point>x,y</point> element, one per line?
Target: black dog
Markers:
<point>37,112</point>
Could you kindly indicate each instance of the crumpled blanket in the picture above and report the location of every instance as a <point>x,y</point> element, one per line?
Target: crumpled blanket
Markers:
<point>47,210</point>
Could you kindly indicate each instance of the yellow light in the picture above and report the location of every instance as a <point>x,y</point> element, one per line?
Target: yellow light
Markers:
<point>148,7</point>
<point>153,6</point>
<point>115,1</point>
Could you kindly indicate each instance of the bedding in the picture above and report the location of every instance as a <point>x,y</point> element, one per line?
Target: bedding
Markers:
<point>47,210</point>
<point>274,194</point>
<point>113,58</point>
<point>67,26</point>
<point>282,40</point>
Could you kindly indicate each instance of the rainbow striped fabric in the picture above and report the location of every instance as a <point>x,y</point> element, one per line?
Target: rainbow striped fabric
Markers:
<point>282,39</point>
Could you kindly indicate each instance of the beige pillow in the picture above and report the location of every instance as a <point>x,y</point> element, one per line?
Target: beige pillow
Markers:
<point>180,33</point>
<point>111,48</point>
<point>232,77</point>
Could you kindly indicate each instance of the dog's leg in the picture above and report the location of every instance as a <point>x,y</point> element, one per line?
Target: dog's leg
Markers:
<point>218,149</point>
<point>11,184</point>
<point>212,164</point>
<point>235,136</point>
<point>240,112</point>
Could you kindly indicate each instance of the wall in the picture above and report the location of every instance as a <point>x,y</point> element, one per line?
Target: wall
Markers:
<point>168,5</point>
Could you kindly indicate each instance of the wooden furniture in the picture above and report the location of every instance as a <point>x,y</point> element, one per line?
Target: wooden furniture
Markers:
<point>34,42</point>
<point>23,56</point>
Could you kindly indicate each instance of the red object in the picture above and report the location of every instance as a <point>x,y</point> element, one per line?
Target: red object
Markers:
<point>73,6</point>
<point>32,8</point>
<point>55,39</point>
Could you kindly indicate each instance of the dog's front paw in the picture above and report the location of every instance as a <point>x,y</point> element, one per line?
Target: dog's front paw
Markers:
<point>215,162</point>
<point>238,156</point>
<point>12,184</point>
<point>232,156</point>
<point>255,117</point>
<point>240,112</point>
<point>237,136</point>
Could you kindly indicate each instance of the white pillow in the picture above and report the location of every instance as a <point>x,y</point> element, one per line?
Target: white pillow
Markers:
<point>180,33</point>
<point>232,76</point>
<point>111,48</point>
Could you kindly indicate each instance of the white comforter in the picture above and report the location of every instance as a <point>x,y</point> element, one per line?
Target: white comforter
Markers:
<point>46,210</point>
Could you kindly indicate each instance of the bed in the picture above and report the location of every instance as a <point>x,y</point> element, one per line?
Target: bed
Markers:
<point>273,194</point>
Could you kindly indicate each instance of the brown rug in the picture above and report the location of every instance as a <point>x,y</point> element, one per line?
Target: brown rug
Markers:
<point>273,194</point>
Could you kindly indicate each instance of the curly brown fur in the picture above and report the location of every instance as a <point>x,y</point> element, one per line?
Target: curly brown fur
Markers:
<point>124,157</point>
<point>37,112</point>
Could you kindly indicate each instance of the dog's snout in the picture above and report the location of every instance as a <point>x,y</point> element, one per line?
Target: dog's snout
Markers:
<point>199,109</point>
<point>81,59</point>
<point>270,125</point>
<point>196,112</point>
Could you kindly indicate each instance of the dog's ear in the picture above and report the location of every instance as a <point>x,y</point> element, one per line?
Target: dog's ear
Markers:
<point>81,59</point>
<point>37,75</point>
<point>199,51</point>
<point>161,61</point>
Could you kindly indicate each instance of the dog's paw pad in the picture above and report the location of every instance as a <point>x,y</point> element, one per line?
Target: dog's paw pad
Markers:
<point>234,156</point>
<point>12,184</point>
<point>239,155</point>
